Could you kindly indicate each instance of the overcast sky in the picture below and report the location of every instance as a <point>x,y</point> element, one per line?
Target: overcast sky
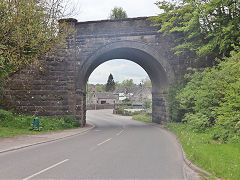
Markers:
<point>100,9</point>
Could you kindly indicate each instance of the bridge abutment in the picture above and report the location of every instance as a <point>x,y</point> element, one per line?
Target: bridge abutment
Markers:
<point>80,111</point>
<point>159,108</point>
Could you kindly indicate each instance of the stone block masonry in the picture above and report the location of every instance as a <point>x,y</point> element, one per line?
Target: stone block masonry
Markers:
<point>57,86</point>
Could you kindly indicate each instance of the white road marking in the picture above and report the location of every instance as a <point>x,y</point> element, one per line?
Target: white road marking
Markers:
<point>44,170</point>
<point>120,132</point>
<point>104,141</point>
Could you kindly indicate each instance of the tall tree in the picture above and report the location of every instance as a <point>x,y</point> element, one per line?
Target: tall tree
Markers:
<point>118,13</point>
<point>208,28</point>
<point>110,86</point>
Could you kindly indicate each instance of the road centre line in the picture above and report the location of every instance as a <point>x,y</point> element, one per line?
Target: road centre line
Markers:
<point>44,170</point>
<point>104,141</point>
<point>120,132</point>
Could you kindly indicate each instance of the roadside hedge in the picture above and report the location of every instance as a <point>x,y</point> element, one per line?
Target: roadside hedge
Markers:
<point>210,99</point>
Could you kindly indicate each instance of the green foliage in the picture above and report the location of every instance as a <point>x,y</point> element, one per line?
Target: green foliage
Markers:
<point>210,99</point>
<point>128,83</point>
<point>175,112</point>
<point>207,28</point>
<point>71,121</point>
<point>28,29</point>
<point>148,103</point>
<point>118,13</point>
<point>199,122</point>
<point>94,87</point>
<point>97,87</point>
<point>23,123</point>
<point>142,117</point>
<point>200,94</point>
<point>222,160</point>
<point>100,88</point>
<point>110,86</point>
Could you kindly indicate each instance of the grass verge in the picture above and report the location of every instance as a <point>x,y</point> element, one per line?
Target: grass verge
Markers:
<point>13,124</point>
<point>142,117</point>
<point>221,160</point>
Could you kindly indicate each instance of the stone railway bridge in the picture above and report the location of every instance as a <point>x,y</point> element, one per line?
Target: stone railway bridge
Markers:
<point>58,86</point>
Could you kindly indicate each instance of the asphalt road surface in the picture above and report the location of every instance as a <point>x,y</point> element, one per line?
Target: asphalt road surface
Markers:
<point>117,148</point>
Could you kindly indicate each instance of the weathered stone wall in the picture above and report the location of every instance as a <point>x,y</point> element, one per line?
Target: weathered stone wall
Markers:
<point>58,86</point>
<point>45,90</point>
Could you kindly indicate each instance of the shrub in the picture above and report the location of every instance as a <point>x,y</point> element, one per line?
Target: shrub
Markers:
<point>142,117</point>
<point>198,121</point>
<point>210,99</point>
<point>148,103</point>
<point>175,112</point>
<point>70,120</point>
<point>5,116</point>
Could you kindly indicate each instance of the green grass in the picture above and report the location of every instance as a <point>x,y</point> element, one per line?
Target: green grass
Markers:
<point>8,132</point>
<point>221,160</point>
<point>142,117</point>
<point>13,124</point>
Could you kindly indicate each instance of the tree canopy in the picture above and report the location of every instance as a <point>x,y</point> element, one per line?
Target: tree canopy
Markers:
<point>206,99</point>
<point>128,83</point>
<point>28,28</point>
<point>208,28</point>
<point>118,13</point>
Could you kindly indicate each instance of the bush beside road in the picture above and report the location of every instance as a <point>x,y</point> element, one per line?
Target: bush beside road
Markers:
<point>143,116</point>
<point>13,124</point>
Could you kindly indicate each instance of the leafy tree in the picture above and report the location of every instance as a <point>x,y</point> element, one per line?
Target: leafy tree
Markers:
<point>100,87</point>
<point>28,29</point>
<point>208,28</point>
<point>128,83</point>
<point>210,99</point>
<point>118,13</point>
<point>110,86</point>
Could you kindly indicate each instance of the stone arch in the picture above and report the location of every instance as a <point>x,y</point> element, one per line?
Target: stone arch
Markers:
<point>131,50</point>
<point>156,66</point>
